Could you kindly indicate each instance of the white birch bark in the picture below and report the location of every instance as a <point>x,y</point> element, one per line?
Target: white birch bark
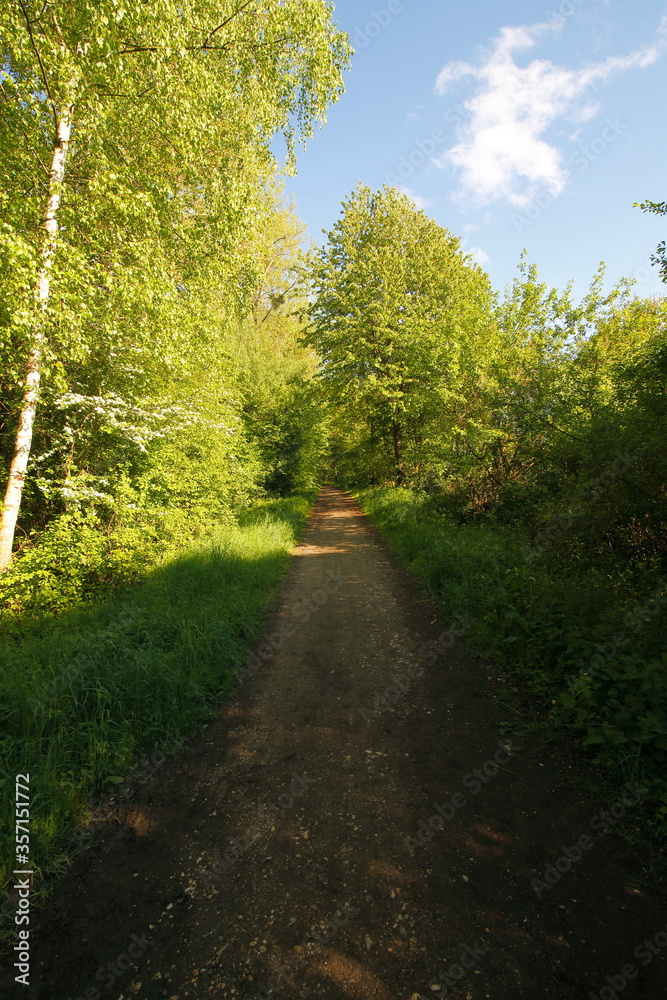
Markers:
<point>17,470</point>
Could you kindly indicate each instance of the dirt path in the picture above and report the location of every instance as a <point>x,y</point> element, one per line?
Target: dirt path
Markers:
<point>281,855</point>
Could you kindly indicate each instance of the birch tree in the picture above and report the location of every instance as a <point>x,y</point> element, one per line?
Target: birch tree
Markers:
<point>141,124</point>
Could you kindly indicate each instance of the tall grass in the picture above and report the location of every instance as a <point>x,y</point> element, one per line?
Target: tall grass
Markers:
<point>86,691</point>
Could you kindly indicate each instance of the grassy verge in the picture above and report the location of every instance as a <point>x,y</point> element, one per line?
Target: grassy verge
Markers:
<point>87,691</point>
<point>588,645</point>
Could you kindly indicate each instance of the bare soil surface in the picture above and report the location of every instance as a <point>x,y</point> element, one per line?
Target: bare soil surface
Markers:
<point>295,850</point>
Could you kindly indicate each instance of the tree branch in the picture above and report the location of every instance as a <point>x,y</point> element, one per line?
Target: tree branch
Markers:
<point>138,48</point>
<point>224,24</point>
<point>102,93</point>
<point>41,64</point>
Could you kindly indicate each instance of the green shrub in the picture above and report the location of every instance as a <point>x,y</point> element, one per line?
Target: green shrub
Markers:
<point>589,644</point>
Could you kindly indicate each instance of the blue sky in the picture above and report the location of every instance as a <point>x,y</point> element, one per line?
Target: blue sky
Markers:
<point>515,125</point>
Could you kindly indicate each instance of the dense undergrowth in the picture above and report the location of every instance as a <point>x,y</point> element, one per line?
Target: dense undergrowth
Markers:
<point>589,643</point>
<point>90,687</point>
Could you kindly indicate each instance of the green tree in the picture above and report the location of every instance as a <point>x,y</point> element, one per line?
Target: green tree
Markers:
<point>660,256</point>
<point>397,309</point>
<point>133,141</point>
<point>283,414</point>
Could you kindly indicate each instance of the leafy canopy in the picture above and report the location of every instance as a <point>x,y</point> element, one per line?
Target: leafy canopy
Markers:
<point>398,309</point>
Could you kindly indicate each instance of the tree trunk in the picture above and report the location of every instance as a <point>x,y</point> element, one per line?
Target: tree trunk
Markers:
<point>17,469</point>
<point>396,432</point>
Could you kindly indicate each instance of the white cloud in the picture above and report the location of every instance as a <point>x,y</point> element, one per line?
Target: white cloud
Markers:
<point>479,256</point>
<point>582,115</point>
<point>421,203</point>
<point>501,152</point>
